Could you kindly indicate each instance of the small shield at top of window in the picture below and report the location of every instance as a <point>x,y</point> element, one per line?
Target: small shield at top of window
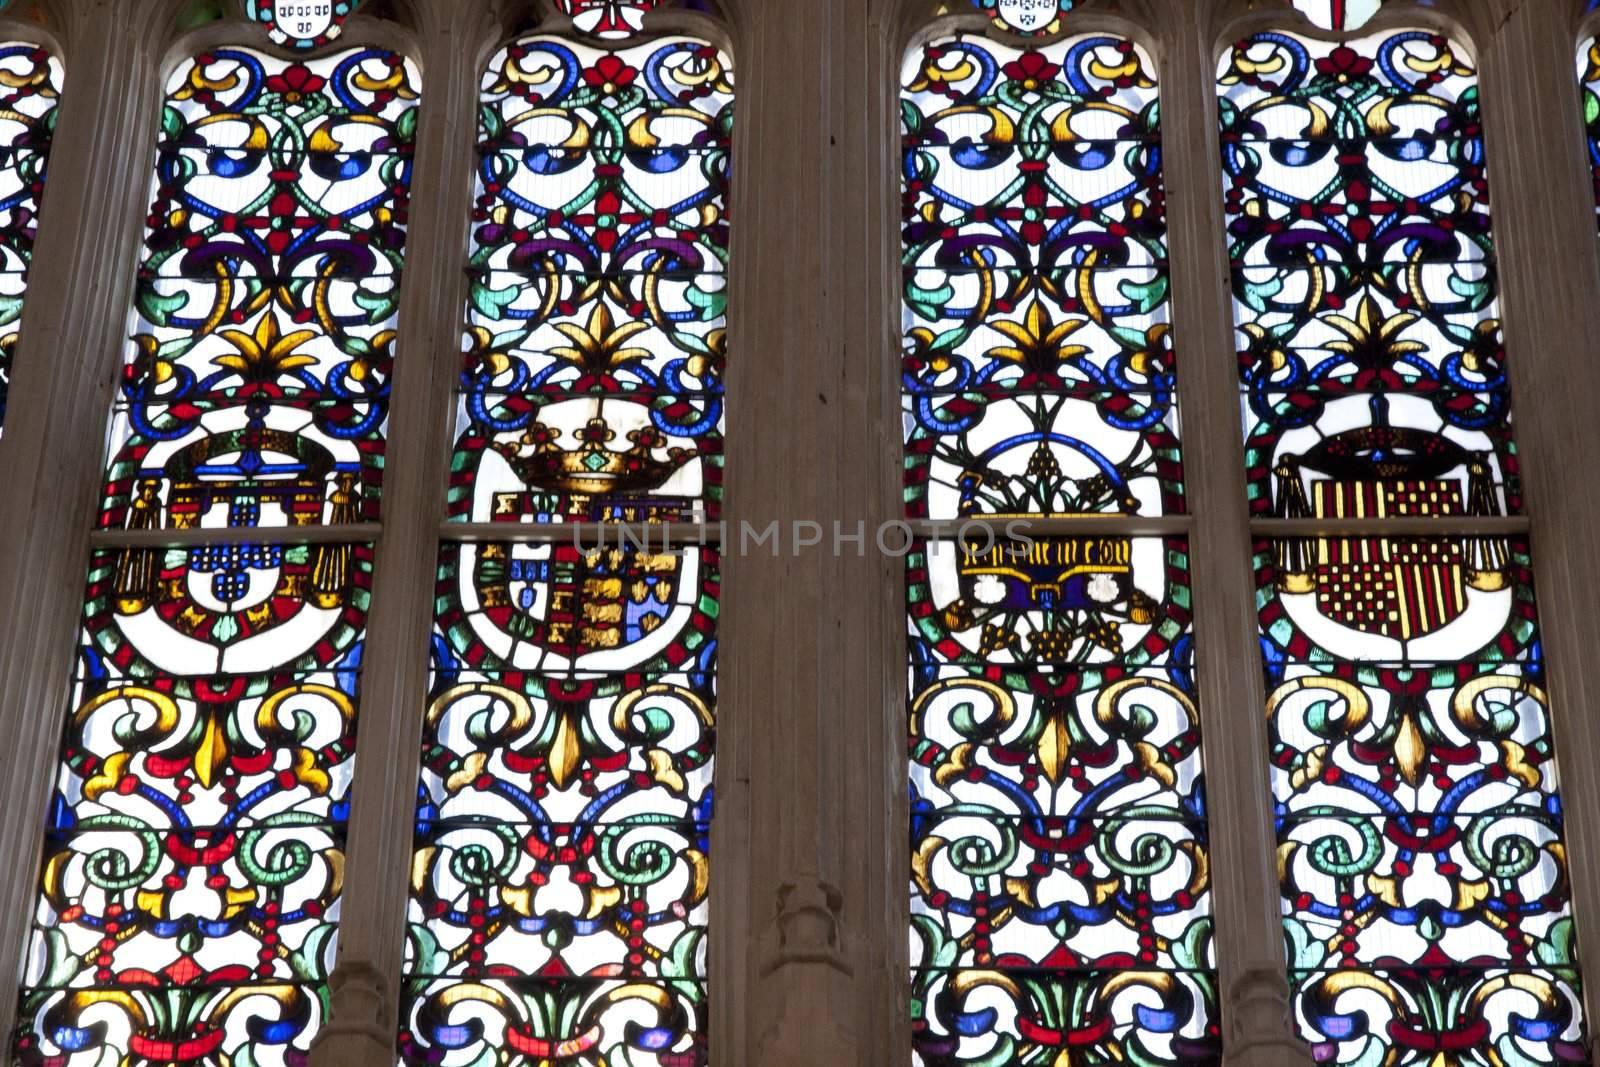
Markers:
<point>1027,17</point>
<point>301,23</point>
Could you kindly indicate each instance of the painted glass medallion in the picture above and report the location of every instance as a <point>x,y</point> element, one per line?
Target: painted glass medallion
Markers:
<point>301,23</point>
<point>608,18</point>
<point>1026,17</point>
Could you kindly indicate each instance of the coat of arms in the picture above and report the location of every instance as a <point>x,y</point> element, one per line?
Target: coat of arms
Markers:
<point>1400,588</point>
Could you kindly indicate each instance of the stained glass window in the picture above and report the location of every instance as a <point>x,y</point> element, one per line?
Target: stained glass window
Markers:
<point>30,88</point>
<point>1589,75</point>
<point>1060,877</point>
<point>1038,373</point>
<point>194,853</point>
<point>592,383</point>
<point>559,887</point>
<point>256,392</point>
<point>1419,820</point>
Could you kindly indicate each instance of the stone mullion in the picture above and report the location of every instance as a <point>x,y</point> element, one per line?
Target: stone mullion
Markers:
<point>1549,269</point>
<point>50,464</point>
<point>864,662</point>
<point>454,41</point>
<point>1254,989</point>
<point>811,730</point>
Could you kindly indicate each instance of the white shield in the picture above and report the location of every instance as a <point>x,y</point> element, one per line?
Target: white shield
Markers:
<point>1028,16</point>
<point>303,20</point>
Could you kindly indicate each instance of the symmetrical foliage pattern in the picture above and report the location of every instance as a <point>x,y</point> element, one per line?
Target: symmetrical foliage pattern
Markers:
<point>1037,369</point>
<point>30,88</point>
<point>256,388</point>
<point>592,383</point>
<point>194,854</point>
<point>1060,877</point>
<point>559,886</point>
<point>1419,823</point>
<point>1364,274</point>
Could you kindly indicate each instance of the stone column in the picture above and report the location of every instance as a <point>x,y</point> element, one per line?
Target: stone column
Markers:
<point>1244,873</point>
<point>1549,262</point>
<point>454,40</point>
<point>50,462</point>
<point>810,960</point>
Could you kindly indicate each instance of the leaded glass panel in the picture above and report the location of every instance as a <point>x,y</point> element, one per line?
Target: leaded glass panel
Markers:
<point>591,385</point>
<point>256,385</point>
<point>30,89</point>
<point>1037,365</point>
<point>1060,872</point>
<point>1419,822</point>
<point>194,855</point>
<point>1589,76</point>
<point>559,904</point>
<point>1364,282</point>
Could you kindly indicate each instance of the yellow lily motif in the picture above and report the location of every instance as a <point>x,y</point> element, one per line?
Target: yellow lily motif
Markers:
<point>601,344</point>
<point>265,353</point>
<point>1269,351</point>
<point>1373,339</point>
<point>1036,341</point>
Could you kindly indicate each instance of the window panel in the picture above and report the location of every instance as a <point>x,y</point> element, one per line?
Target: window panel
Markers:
<point>1425,895</point>
<point>194,858</point>
<point>1034,250</point>
<point>1589,76</point>
<point>596,334</point>
<point>1060,864</point>
<point>263,330</point>
<point>30,88</point>
<point>195,853</point>
<point>1060,870</point>
<point>559,896</point>
<point>1363,264</point>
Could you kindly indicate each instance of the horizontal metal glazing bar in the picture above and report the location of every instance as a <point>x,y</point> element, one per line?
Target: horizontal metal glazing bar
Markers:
<point>1395,526</point>
<point>1064,526</point>
<point>598,534</point>
<point>237,535</point>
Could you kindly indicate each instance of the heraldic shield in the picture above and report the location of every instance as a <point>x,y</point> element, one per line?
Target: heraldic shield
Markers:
<point>1346,591</point>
